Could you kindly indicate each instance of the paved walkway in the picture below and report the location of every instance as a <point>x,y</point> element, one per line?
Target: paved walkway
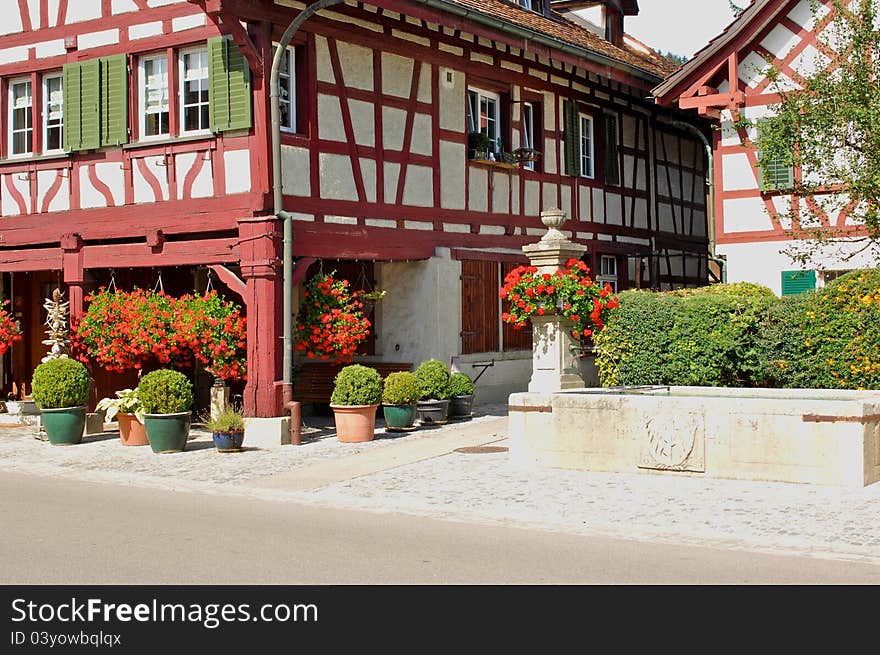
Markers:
<point>425,473</point>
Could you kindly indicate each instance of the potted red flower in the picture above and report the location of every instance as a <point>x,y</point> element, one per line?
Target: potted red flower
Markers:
<point>569,292</point>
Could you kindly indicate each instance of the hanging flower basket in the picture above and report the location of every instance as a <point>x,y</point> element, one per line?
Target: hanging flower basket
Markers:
<point>122,330</point>
<point>331,323</point>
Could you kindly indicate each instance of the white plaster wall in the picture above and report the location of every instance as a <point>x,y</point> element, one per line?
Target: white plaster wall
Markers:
<point>45,180</point>
<point>397,74</point>
<point>421,314</point>
<point>451,94</point>
<point>330,125</point>
<point>296,178</point>
<point>238,171</point>
<point>418,189</point>
<point>82,10</point>
<point>452,166</point>
<point>356,63</point>
<point>337,178</point>
<point>763,262</point>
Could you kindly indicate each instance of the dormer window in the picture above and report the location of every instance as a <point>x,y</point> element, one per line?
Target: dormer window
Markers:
<point>536,6</point>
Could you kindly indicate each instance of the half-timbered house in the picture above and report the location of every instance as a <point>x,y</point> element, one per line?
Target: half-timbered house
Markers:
<point>729,82</point>
<point>136,147</point>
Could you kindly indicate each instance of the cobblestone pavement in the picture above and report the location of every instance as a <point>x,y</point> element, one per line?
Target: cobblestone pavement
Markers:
<point>486,487</point>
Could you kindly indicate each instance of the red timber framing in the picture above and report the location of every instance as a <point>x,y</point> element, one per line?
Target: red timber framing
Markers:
<point>696,86</point>
<point>182,202</point>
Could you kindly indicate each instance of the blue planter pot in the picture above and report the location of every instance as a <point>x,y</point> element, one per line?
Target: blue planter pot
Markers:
<point>228,442</point>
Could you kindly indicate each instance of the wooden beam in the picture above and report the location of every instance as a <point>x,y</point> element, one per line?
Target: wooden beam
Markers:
<point>221,15</point>
<point>723,100</point>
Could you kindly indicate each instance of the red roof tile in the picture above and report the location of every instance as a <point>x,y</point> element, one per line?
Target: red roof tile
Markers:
<point>559,27</point>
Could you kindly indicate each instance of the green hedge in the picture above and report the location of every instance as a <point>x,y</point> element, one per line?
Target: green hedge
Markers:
<point>742,335</point>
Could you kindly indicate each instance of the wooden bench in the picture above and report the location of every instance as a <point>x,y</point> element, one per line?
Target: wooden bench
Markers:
<point>313,381</point>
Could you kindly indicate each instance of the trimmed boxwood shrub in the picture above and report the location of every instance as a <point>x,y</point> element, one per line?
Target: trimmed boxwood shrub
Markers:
<point>357,385</point>
<point>433,377</point>
<point>165,392</point>
<point>401,388</point>
<point>704,337</point>
<point>60,383</point>
<point>460,384</point>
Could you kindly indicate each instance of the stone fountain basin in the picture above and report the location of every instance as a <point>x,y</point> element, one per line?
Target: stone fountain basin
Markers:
<point>824,437</point>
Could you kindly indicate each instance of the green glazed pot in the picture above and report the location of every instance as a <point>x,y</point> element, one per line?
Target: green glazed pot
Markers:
<point>64,426</point>
<point>399,418</point>
<point>167,433</point>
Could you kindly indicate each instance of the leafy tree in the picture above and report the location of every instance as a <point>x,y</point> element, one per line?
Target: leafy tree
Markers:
<point>678,60</point>
<point>736,9</point>
<point>827,125</point>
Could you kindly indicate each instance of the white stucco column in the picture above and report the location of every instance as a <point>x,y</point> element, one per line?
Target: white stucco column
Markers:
<point>554,363</point>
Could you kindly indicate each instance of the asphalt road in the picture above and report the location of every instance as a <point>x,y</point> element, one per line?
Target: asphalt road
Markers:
<point>58,531</point>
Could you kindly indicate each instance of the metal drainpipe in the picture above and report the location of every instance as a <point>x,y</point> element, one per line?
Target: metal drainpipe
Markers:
<point>286,217</point>
<point>710,182</point>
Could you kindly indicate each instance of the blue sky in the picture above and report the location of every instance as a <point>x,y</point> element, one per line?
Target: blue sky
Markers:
<point>680,26</point>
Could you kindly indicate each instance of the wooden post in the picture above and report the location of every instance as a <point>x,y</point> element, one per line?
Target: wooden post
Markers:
<point>259,247</point>
<point>74,273</point>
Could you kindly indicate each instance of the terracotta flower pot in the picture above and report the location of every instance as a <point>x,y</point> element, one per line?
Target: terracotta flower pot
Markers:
<point>131,431</point>
<point>355,423</point>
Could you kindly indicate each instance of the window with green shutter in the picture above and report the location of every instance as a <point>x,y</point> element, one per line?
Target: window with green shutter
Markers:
<point>95,103</point>
<point>774,173</point>
<point>114,100</point>
<point>229,86</point>
<point>795,282</point>
<point>82,112</point>
<point>572,137</point>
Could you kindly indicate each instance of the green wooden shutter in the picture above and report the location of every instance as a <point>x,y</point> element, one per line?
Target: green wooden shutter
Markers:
<point>229,86</point>
<point>114,100</point>
<point>572,137</point>
<point>81,106</point>
<point>774,174</point>
<point>795,282</point>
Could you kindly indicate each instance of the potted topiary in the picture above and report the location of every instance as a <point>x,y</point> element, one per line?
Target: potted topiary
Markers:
<point>433,404</point>
<point>357,393</point>
<point>127,410</point>
<point>166,398</point>
<point>227,429</point>
<point>399,395</point>
<point>461,391</point>
<point>60,389</point>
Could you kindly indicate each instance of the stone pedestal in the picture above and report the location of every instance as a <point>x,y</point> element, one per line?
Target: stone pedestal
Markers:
<point>554,363</point>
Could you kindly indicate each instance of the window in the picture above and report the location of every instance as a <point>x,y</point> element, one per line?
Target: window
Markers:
<point>194,109</point>
<point>586,146</point>
<point>154,100</point>
<point>608,270</point>
<point>774,173</point>
<point>533,5</point>
<point>53,113</point>
<point>21,120</point>
<point>612,155</point>
<point>795,282</point>
<point>287,90</point>
<point>528,133</point>
<point>483,117</point>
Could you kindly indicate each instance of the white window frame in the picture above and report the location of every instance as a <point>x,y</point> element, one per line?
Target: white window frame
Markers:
<point>532,5</point>
<point>608,271</point>
<point>46,107</point>
<point>142,96</point>
<point>30,114</point>
<point>290,87</point>
<point>489,96</point>
<point>528,133</point>
<point>182,86</point>
<point>587,142</point>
